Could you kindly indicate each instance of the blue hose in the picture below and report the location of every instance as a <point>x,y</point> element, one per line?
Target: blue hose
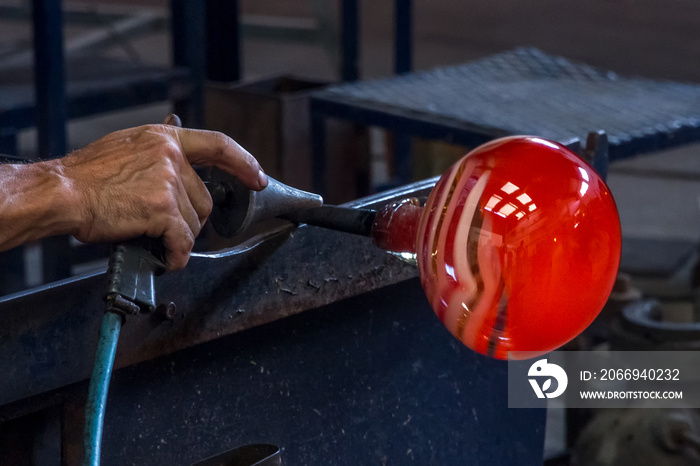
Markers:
<point>99,385</point>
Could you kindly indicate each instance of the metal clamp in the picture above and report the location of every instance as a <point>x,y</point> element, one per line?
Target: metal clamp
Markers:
<point>132,268</point>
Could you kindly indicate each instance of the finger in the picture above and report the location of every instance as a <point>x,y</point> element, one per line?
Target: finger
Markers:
<point>216,149</point>
<point>187,210</point>
<point>173,120</point>
<point>196,190</point>
<point>197,193</point>
<point>178,241</point>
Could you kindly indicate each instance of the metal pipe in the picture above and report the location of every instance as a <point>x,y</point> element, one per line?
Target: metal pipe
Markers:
<point>345,219</point>
<point>99,385</point>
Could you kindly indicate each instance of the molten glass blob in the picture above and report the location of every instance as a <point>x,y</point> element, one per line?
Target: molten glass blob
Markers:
<point>518,246</point>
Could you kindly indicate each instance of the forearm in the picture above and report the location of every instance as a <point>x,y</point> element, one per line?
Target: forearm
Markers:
<point>36,201</point>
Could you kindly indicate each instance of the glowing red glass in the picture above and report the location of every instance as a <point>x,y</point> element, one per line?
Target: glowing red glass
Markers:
<point>518,246</point>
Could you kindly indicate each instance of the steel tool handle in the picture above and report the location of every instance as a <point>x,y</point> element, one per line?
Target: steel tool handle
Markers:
<point>345,219</point>
<point>132,267</point>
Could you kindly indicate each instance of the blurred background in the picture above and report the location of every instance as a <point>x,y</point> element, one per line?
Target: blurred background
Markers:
<point>291,47</point>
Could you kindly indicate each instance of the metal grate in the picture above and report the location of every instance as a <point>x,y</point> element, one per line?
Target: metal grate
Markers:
<point>525,91</point>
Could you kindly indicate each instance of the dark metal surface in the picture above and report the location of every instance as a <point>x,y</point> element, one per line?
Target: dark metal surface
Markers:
<point>641,327</point>
<point>133,266</point>
<point>249,455</point>
<point>223,50</point>
<point>45,331</point>
<point>349,39</point>
<point>12,270</point>
<point>355,221</point>
<point>403,42</point>
<point>237,208</point>
<point>524,91</point>
<point>318,148</point>
<point>189,39</point>
<point>597,152</point>
<point>49,74</point>
<point>312,340</point>
<point>370,380</point>
<point>94,85</point>
<point>8,143</point>
<point>643,437</point>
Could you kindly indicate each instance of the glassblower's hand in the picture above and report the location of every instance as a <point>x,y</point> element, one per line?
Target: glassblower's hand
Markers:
<point>138,181</point>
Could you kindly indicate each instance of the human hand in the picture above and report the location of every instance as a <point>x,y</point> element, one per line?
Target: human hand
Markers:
<point>140,181</point>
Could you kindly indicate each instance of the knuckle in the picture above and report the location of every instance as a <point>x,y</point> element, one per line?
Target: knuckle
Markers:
<point>181,245</point>
<point>222,143</point>
<point>188,243</point>
<point>152,134</point>
<point>163,142</point>
<point>163,203</point>
<point>158,129</point>
<point>195,228</point>
<point>142,131</point>
<point>207,207</point>
<point>185,243</point>
<point>171,149</point>
<point>252,162</point>
<point>177,261</point>
<point>169,176</point>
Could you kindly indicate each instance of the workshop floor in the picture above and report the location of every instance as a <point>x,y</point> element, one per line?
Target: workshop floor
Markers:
<point>658,195</point>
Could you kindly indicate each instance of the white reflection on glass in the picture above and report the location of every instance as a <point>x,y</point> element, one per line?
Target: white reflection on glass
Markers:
<point>584,174</point>
<point>507,209</point>
<point>509,188</point>
<point>492,202</point>
<point>584,188</point>
<point>546,143</point>
<point>524,198</point>
<point>584,184</point>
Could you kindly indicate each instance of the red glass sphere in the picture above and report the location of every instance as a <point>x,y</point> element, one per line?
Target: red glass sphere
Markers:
<point>518,247</point>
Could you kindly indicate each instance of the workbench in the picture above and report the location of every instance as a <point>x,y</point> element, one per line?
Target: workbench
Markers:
<point>312,340</point>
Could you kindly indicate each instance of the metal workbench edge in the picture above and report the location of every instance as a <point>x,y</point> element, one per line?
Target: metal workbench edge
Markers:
<point>49,334</point>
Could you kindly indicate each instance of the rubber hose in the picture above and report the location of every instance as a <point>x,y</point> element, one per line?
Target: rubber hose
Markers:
<point>99,385</point>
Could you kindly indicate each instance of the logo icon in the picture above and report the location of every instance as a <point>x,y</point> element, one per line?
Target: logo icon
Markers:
<point>542,368</point>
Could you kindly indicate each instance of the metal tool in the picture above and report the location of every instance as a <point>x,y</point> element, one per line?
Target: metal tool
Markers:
<point>134,264</point>
<point>132,268</point>
<point>130,290</point>
<point>237,208</point>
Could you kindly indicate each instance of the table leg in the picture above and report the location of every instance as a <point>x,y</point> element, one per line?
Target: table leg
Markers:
<point>49,78</point>
<point>189,40</point>
<point>8,145</point>
<point>402,158</point>
<point>223,41</point>
<point>403,42</point>
<point>318,150</point>
<point>12,271</point>
<point>350,18</point>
